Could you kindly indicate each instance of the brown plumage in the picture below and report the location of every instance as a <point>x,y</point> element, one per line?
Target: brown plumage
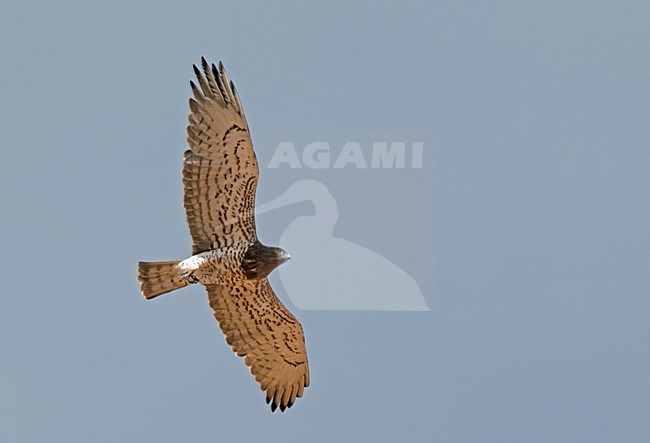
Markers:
<point>220,174</point>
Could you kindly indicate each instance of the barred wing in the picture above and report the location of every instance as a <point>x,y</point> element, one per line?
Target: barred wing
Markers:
<point>220,170</point>
<point>259,328</point>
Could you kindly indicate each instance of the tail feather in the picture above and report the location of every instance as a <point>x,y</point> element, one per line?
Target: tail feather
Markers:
<point>157,278</point>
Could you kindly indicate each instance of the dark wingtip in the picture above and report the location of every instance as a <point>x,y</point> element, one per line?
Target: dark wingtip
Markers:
<point>205,66</point>
<point>274,407</point>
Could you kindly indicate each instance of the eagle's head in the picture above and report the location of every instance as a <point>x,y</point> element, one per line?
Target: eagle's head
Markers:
<point>282,255</point>
<point>260,260</point>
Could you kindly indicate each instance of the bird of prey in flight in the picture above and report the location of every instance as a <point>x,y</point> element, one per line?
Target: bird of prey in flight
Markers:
<point>220,174</point>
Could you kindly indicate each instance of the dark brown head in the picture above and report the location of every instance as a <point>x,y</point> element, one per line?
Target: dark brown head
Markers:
<point>260,260</point>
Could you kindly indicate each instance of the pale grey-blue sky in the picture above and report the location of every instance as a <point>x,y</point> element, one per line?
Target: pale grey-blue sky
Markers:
<point>526,228</point>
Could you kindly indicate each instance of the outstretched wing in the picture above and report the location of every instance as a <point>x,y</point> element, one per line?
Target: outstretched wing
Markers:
<point>260,329</point>
<point>220,170</point>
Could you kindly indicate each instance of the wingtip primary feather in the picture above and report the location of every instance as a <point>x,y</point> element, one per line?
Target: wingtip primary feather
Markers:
<point>226,82</point>
<point>196,92</point>
<point>277,398</point>
<point>205,88</point>
<point>212,80</point>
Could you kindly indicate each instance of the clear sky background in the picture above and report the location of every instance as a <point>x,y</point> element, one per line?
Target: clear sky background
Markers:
<point>526,228</point>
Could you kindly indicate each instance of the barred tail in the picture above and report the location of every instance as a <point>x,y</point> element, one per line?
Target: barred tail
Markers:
<point>157,278</point>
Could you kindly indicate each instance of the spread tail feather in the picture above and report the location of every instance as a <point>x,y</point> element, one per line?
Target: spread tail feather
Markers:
<point>157,278</point>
